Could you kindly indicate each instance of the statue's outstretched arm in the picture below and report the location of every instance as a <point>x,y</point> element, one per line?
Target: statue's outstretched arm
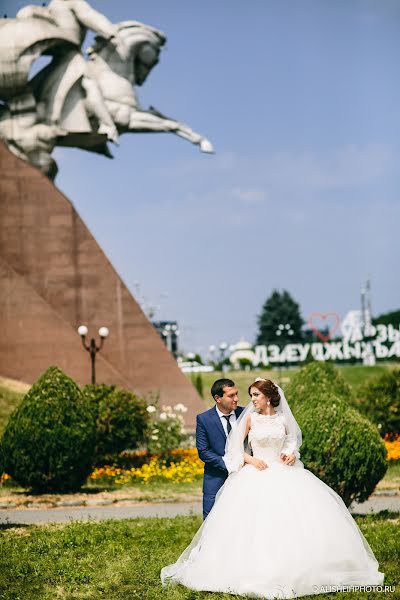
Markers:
<point>92,19</point>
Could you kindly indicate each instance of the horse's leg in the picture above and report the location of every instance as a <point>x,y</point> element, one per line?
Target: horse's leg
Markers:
<point>147,121</point>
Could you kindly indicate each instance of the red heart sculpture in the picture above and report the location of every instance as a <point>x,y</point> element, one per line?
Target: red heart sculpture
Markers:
<point>324,317</point>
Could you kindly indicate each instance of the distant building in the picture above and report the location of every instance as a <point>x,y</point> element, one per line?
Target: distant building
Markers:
<point>192,366</point>
<point>242,354</point>
<point>169,333</point>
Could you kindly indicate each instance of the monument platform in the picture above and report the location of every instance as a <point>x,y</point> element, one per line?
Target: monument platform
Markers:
<point>54,277</point>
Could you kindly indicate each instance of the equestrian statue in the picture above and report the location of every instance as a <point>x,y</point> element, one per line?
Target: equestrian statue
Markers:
<point>82,99</point>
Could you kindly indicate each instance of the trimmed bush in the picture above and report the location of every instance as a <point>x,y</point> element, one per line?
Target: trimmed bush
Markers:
<point>48,442</point>
<point>379,400</point>
<point>121,421</point>
<point>166,428</point>
<point>340,446</point>
<point>316,378</point>
<point>94,394</point>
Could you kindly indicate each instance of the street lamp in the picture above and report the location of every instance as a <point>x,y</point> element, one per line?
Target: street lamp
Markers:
<point>92,348</point>
<point>222,349</point>
<point>211,355</point>
<point>284,330</point>
<point>170,334</point>
<point>191,356</point>
<point>175,334</point>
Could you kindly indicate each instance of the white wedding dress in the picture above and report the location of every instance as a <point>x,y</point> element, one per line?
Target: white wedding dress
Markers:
<point>276,533</point>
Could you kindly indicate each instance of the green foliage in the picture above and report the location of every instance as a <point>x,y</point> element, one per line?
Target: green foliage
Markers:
<point>390,318</point>
<point>198,384</point>
<point>279,308</point>
<point>121,559</point>
<point>166,428</point>
<point>245,364</point>
<point>379,400</point>
<point>121,421</point>
<point>358,375</point>
<point>340,446</point>
<point>48,442</point>
<point>8,402</point>
<point>198,358</point>
<point>315,379</point>
<point>355,376</point>
<point>95,394</point>
<point>223,366</point>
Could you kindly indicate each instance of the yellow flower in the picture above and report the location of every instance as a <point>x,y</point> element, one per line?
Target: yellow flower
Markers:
<point>185,467</point>
<point>393,447</point>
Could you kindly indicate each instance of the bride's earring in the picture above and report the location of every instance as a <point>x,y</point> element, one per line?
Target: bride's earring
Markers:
<point>268,402</point>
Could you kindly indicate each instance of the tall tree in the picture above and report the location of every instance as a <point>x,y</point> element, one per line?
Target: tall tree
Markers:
<point>280,321</point>
<point>392,317</point>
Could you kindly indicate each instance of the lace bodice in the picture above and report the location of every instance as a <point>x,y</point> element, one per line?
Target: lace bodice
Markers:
<point>268,438</point>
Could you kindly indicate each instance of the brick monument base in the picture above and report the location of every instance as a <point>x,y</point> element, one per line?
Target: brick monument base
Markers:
<point>54,277</point>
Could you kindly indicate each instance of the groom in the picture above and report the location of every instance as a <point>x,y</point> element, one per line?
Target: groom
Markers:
<point>212,429</point>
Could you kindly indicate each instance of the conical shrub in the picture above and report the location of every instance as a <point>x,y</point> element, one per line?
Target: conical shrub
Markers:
<point>121,421</point>
<point>379,401</point>
<point>340,446</point>
<point>49,440</point>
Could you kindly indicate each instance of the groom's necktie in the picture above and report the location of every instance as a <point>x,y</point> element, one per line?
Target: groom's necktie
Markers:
<point>228,423</point>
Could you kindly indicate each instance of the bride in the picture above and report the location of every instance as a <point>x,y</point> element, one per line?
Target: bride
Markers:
<point>276,530</point>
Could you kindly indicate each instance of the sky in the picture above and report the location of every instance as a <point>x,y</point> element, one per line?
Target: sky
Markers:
<point>301,100</point>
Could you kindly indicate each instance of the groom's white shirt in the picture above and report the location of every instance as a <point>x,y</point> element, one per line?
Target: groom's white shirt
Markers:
<point>232,419</point>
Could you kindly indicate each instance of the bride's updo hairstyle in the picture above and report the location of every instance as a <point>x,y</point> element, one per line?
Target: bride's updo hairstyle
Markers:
<point>269,389</point>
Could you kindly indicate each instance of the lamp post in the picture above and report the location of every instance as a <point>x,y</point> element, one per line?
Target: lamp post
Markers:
<point>170,333</point>
<point>166,333</point>
<point>92,348</point>
<point>285,330</point>
<point>211,352</point>
<point>191,356</point>
<point>222,349</point>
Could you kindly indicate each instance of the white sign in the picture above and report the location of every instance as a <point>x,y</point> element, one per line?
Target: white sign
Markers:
<point>383,341</point>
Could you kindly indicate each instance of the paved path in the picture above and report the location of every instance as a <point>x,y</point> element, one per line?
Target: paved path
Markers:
<point>375,504</point>
<point>59,515</point>
<point>62,514</point>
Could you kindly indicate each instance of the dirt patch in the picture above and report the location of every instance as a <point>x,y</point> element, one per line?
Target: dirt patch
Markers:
<point>15,386</point>
<point>22,500</point>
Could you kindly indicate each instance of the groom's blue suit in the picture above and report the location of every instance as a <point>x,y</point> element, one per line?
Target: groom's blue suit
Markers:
<point>210,442</point>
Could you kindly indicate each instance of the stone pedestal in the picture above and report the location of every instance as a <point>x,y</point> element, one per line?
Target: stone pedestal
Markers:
<point>53,278</point>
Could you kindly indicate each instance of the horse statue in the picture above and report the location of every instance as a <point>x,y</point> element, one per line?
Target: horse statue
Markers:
<point>82,100</point>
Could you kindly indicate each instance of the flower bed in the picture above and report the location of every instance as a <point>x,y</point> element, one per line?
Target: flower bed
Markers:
<point>181,465</point>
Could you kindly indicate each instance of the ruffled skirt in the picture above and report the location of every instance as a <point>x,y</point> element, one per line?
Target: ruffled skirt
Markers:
<point>277,533</point>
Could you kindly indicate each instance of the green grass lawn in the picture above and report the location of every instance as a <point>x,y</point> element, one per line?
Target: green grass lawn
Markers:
<point>121,560</point>
<point>355,375</point>
<point>392,477</point>
<point>156,491</point>
<point>8,401</point>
